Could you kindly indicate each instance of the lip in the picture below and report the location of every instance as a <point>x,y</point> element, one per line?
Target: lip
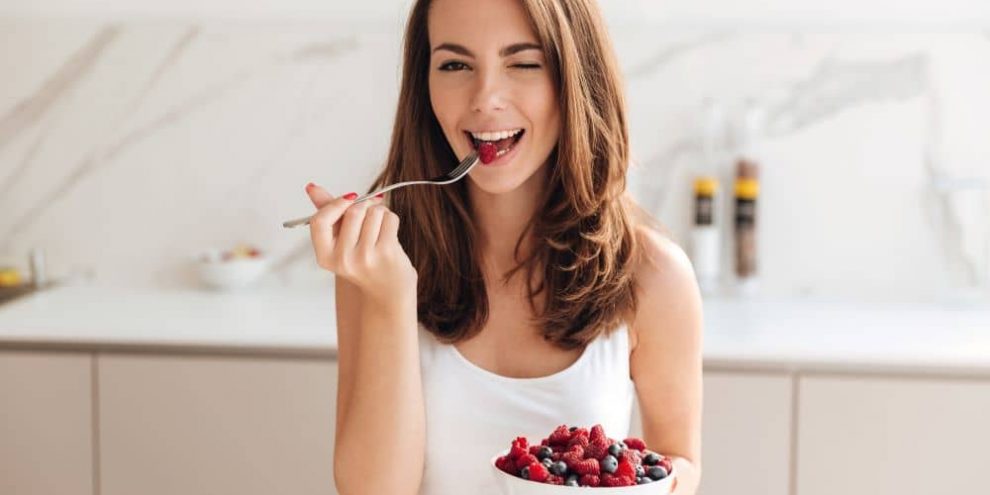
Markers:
<point>504,159</point>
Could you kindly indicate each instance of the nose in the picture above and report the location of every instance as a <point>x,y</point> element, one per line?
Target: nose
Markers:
<point>488,93</point>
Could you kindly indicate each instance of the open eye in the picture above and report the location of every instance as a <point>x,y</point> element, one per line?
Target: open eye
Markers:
<point>449,66</point>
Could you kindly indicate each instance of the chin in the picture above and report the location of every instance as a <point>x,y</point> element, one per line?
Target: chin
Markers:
<point>495,185</point>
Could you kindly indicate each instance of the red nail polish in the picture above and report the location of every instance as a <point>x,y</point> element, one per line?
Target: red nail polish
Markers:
<point>309,186</point>
<point>350,196</point>
<point>380,195</point>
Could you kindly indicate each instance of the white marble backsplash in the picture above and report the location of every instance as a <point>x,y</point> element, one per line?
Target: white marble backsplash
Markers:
<point>126,147</point>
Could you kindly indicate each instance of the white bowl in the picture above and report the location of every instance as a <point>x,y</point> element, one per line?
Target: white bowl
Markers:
<point>232,274</point>
<point>511,485</point>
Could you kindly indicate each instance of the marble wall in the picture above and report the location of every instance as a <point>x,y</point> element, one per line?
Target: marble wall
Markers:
<point>126,146</point>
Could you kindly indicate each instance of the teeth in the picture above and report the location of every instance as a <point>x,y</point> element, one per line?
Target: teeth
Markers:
<point>495,136</point>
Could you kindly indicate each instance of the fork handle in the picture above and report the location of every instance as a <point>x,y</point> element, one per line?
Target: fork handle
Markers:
<point>305,220</point>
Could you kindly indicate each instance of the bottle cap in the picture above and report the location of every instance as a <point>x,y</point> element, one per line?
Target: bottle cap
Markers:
<point>747,188</point>
<point>705,186</point>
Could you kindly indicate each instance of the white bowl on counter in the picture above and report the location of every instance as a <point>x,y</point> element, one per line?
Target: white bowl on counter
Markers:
<point>228,275</point>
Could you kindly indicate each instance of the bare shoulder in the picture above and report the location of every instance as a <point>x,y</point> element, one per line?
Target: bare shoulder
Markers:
<point>665,283</point>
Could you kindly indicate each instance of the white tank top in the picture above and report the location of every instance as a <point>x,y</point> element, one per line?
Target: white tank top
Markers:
<point>472,413</point>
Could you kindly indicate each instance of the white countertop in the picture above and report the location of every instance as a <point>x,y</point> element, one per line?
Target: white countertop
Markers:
<point>791,335</point>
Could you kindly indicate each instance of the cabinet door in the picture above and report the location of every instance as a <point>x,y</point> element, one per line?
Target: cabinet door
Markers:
<point>871,435</point>
<point>209,425</point>
<point>746,421</point>
<point>46,423</point>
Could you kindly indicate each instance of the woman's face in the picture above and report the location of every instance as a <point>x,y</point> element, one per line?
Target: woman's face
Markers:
<point>488,74</point>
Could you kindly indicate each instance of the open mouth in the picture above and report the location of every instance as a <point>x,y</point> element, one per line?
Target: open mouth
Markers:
<point>502,145</point>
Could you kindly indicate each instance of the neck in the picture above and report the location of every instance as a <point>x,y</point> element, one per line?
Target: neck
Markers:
<point>502,218</point>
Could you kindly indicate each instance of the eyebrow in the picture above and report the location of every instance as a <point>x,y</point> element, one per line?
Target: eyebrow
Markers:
<point>505,52</point>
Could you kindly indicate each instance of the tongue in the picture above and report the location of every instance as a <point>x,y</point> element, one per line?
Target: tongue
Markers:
<point>503,144</point>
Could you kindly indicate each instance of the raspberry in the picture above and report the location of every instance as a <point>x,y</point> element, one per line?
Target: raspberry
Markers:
<point>634,457</point>
<point>626,469</point>
<point>597,432</point>
<point>613,480</point>
<point>505,464</point>
<point>589,480</point>
<point>596,449</point>
<point>519,448</point>
<point>586,466</point>
<point>534,449</point>
<point>635,443</point>
<point>553,479</point>
<point>665,462</point>
<point>487,152</point>
<point>572,457</point>
<point>537,472</point>
<point>556,456</point>
<point>580,437</point>
<point>526,460</point>
<point>560,436</point>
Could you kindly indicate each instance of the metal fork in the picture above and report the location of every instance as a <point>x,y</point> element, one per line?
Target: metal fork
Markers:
<point>449,178</point>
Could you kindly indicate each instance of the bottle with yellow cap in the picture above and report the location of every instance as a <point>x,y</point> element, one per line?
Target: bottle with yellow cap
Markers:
<point>706,252</point>
<point>746,192</point>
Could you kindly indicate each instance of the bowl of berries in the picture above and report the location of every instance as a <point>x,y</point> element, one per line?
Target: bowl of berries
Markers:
<point>230,269</point>
<point>575,457</point>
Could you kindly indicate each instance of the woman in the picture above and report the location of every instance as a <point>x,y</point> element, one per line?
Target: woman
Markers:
<point>530,294</point>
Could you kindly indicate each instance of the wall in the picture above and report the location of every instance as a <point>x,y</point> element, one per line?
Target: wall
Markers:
<point>134,134</point>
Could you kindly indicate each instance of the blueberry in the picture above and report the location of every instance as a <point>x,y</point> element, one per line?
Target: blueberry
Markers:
<point>572,480</point>
<point>642,481</point>
<point>614,449</point>
<point>572,428</point>
<point>610,464</point>
<point>623,445</point>
<point>525,472</point>
<point>547,463</point>
<point>657,473</point>
<point>651,459</point>
<point>640,472</point>
<point>558,468</point>
<point>544,453</point>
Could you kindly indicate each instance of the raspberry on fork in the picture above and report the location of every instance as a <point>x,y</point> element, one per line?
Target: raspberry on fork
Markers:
<point>487,151</point>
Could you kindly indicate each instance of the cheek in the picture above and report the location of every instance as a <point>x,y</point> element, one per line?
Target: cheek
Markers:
<point>548,116</point>
<point>445,107</point>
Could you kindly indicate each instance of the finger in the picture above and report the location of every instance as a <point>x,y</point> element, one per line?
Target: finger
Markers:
<point>318,195</point>
<point>350,225</point>
<point>372,225</point>
<point>322,229</point>
<point>390,228</point>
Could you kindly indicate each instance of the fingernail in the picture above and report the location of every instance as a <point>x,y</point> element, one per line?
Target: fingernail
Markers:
<point>380,195</point>
<point>350,196</point>
<point>310,186</point>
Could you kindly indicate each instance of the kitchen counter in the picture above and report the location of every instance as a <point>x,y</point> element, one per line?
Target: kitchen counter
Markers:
<point>789,335</point>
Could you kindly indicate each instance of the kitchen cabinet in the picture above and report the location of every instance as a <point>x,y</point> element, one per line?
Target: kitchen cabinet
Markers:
<point>206,425</point>
<point>746,422</point>
<point>46,422</point>
<point>906,436</point>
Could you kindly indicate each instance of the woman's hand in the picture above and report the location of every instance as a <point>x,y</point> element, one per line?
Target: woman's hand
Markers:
<point>360,243</point>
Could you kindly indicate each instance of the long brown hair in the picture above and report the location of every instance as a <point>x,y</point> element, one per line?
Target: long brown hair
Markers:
<point>584,236</point>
